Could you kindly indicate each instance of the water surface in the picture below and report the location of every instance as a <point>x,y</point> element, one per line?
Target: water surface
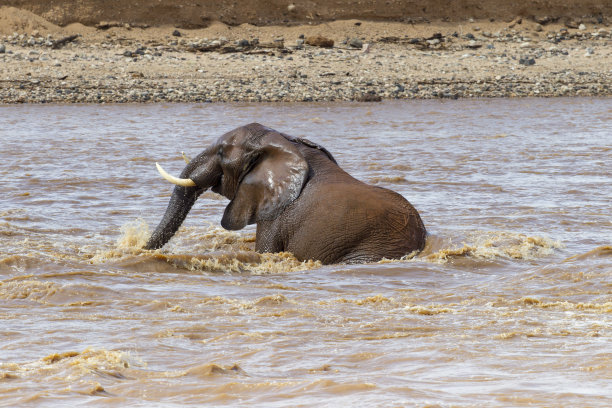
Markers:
<point>510,304</point>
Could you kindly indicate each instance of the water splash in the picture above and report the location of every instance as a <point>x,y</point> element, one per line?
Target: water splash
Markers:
<point>491,245</point>
<point>134,235</point>
<point>73,364</point>
<point>208,249</point>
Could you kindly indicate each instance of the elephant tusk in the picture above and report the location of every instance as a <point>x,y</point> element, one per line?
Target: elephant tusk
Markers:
<point>187,159</point>
<point>175,180</point>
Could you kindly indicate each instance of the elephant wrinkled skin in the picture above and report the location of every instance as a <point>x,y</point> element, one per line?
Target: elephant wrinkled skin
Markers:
<point>298,196</point>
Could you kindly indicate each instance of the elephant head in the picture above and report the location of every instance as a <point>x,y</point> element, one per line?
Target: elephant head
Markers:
<point>258,169</point>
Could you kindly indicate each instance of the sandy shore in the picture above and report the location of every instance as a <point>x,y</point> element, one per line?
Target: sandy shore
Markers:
<point>42,63</point>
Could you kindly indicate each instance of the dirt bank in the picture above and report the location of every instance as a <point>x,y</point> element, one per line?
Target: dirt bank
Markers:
<point>115,62</point>
<point>200,13</point>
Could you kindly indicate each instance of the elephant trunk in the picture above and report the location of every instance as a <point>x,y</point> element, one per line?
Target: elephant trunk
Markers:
<point>180,203</point>
<point>205,173</point>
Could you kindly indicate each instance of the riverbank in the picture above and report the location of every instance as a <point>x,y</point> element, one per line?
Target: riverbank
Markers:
<point>44,63</point>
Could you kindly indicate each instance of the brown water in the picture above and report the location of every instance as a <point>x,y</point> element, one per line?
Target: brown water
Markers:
<point>510,304</point>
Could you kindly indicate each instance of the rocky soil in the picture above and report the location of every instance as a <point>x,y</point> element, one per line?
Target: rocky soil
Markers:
<point>368,61</point>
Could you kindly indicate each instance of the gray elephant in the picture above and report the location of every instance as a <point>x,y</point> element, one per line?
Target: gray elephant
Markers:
<point>298,196</point>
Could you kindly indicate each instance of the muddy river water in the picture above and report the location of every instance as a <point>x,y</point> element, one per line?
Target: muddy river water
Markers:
<point>510,303</point>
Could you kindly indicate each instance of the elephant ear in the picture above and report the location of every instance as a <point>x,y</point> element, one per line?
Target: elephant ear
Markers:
<point>271,182</point>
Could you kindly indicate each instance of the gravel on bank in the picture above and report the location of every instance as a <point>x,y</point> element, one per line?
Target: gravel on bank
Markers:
<point>464,62</point>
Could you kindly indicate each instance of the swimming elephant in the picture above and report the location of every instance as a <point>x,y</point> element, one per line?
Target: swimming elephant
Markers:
<point>298,196</point>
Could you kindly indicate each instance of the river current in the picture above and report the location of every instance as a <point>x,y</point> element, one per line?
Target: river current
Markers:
<point>510,303</point>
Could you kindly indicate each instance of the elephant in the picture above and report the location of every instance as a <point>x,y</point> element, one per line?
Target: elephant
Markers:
<point>300,199</point>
